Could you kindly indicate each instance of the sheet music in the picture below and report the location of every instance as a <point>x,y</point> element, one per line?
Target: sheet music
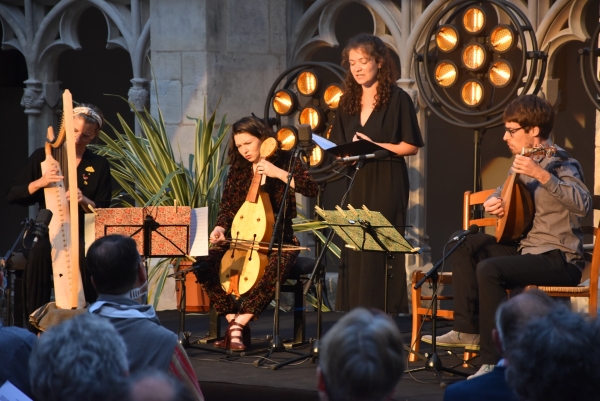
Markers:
<point>322,142</point>
<point>199,232</point>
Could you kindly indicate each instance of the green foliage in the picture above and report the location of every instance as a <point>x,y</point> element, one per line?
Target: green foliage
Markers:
<point>145,166</point>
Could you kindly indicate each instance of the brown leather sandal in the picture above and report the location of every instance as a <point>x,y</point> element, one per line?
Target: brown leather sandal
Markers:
<point>238,331</point>
<point>223,343</point>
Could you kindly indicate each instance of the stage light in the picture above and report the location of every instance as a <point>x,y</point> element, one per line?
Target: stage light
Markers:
<point>307,83</point>
<point>474,56</point>
<point>500,73</point>
<point>312,116</point>
<point>316,157</point>
<point>502,38</point>
<point>332,96</point>
<point>287,137</point>
<point>284,102</point>
<point>472,93</point>
<point>474,20</point>
<point>446,38</point>
<point>445,74</point>
<point>328,132</point>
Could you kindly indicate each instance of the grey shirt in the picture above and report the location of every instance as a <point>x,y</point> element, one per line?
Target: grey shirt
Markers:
<point>559,205</point>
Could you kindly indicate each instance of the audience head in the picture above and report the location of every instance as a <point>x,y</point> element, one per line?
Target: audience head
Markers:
<point>513,315</point>
<point>360,357</point>
<point>152,385</point>
<point>556,358</point>
<point>113,263</point>
<point>79,359</point>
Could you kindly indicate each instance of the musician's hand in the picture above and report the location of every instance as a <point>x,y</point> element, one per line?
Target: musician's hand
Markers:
<point>267,168</point>
<point>358,136</point>
<point>494,206</point>
<point>217,235</point>
<point>82,200</point>
<point>526,165</point>
<point>50,176</point>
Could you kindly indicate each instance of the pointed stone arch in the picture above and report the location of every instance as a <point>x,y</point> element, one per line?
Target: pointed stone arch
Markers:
<point>41,34</point>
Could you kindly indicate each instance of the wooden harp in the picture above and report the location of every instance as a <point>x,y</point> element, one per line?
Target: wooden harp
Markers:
<point>63,229</point>
<point>519,207</point>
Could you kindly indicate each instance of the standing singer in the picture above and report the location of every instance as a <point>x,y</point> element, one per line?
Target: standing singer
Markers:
<point>550,254</point>
<point>245,160</point>
<point>374,109</point>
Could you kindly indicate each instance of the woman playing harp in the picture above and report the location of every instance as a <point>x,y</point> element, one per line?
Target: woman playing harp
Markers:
<point>244,157</point>
<point>94,189</point>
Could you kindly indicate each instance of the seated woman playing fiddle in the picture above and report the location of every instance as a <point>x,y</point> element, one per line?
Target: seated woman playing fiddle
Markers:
<point>245,160</point>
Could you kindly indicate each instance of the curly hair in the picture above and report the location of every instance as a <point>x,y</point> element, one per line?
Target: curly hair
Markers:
<point>375,49</point>
<point>250,125</point>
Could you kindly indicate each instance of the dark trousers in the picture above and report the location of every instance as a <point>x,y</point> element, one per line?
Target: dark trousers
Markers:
<point>482,271</point>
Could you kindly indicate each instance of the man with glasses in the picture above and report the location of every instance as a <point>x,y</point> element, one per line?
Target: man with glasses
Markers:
<point>550,254</point>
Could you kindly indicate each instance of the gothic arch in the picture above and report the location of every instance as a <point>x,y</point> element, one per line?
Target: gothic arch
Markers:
<point>316,28</point>
<point>41,35</point>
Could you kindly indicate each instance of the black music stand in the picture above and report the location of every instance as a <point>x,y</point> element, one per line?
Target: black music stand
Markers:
<point>366,230</point>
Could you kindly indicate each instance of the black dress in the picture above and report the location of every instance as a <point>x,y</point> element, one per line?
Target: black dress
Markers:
<point>93,179</point>
<point>381,186</point>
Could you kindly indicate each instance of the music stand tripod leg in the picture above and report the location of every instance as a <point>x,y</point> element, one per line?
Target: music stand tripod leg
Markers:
<point>183,335</point>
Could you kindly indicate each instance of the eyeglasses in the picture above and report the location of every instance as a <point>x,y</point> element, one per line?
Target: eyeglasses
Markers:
<point>512,131</point>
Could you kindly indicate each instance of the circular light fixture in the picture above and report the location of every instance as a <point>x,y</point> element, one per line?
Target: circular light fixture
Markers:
<point>500,73</point>
<point>286,136</point>
<point>446,38</point>
<point>502,38</point>
<point>474,20</point>
<point>312,116</point>
<point>328,131</point>
<point>445,74</point>
<point>472,93</point>
<point>284,102</point>
<point>316,157</point>
<point>307,83</point>
<point>473,56</point>
<point>332,96</point>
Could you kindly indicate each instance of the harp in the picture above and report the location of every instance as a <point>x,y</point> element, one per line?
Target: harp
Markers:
<point>63,229</point>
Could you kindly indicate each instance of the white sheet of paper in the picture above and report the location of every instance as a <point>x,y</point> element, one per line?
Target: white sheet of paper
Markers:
<point>199,232</point>
<point>10,393</point>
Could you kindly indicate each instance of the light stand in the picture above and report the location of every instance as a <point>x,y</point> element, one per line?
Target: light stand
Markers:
<point>433,361</point>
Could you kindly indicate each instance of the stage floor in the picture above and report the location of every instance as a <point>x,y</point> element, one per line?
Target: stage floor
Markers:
<point>225,377</point>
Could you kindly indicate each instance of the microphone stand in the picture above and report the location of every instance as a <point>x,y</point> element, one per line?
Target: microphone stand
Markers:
<point>276,344</point>
<point>6,264</point>
<point>319,274</point>
<point>433,361</point>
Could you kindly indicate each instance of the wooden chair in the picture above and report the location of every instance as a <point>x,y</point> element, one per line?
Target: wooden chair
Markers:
<point>591,271</point>
<point>421,313</point>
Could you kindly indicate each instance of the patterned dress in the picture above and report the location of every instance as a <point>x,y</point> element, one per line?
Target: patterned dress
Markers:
<point>234,196</point>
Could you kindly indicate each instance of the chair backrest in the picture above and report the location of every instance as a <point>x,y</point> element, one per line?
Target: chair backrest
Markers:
<point>472,199</point>
<point>594,270</point>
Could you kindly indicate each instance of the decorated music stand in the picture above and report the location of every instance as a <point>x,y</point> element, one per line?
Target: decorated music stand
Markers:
<point>366,230</point>
<point>159,231</point>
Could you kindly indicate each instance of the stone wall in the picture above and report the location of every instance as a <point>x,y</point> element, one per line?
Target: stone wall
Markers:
<point>227,52</point>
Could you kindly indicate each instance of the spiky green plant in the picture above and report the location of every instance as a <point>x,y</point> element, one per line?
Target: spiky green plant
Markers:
<point>145,166</point>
